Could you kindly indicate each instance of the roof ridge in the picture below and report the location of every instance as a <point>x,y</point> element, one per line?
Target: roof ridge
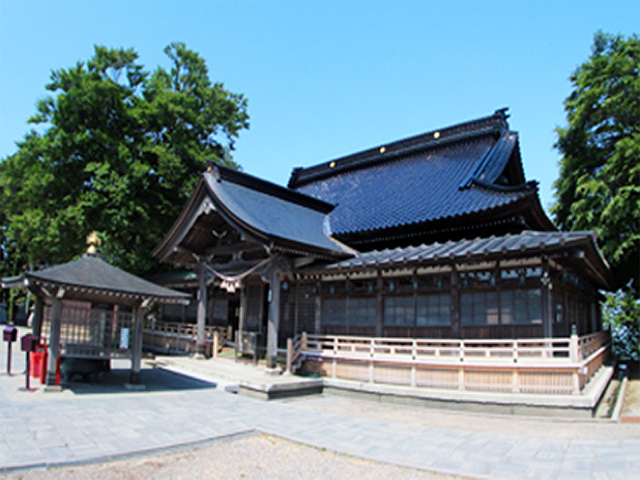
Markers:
<point>492,124</point>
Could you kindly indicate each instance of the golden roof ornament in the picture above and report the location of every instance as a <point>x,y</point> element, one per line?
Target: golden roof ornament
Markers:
<point>93,241</point>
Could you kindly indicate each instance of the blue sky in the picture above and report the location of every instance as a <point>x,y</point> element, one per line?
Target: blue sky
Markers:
<point>325,79</point>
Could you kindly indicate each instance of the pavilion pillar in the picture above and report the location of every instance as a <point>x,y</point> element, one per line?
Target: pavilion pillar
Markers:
<point>274,318</point>
<point>136,345</point>
<point>38,308</point>
<point>54,341</point>
<point>202,311</point>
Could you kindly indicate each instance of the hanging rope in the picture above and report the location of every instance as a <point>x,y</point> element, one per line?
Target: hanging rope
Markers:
<point>233,282</point>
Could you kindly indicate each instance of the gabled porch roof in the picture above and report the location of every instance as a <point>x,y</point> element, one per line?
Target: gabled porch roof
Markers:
<point>232,213</point>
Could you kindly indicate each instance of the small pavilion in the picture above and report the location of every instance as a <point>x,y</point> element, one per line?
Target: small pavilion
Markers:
<point>91,310</point>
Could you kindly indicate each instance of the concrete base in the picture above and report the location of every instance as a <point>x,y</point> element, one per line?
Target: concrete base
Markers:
<point>254,382</point>
<point>52,388</point>
<point>547,405</point>
<point>135,387</point>
<point>281,390</point>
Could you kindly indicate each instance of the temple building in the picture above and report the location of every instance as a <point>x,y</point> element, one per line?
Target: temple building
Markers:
<point>437,236</point>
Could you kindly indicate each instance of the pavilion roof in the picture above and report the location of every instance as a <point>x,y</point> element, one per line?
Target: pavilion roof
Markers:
<point>91,278</point>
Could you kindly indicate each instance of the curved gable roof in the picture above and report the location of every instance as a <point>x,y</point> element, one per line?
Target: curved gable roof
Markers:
<point>268,214</point>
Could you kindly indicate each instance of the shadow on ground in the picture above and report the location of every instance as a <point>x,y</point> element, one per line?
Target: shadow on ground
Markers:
<point>154,380</point>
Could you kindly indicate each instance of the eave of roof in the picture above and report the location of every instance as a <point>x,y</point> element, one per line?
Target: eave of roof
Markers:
<point>91,276</point>
<point>278,218</point>
<point>480,249</point>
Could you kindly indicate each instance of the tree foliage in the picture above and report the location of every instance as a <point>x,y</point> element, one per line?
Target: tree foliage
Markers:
<point>621,312</point>
<point>120,153</point>
<point>599,184</point>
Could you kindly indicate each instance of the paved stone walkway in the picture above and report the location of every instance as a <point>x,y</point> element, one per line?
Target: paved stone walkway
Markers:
<point>80,425</point>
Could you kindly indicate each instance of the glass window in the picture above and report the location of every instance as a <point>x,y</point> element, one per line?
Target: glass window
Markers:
<point>520,307</point>
<point>362,311</point>
<point>334,311</point>
<point>433,310</point>
<point>399,311</point>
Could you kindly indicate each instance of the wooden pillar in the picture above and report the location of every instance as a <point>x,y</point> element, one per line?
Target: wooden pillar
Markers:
<point>201,318</point>
<point>295,308</point>
<point>379,305</point>
<point>37,317</point>
<point>54,340</point>
<point>456,327</point>
<point>136,345</point>
<point>547,301</point>
<point>274,318</point>
<point>318,309</point>
<point>242,317</point>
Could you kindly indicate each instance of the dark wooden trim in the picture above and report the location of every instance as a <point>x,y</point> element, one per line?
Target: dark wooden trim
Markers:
<point>455,303</point>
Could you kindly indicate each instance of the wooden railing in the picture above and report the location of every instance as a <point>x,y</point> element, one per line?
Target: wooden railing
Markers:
<point>182,337</point>
<point>549,365</point>
<point>295,348</point>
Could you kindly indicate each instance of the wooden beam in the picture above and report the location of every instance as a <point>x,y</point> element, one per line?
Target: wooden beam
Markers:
<point>246,246</point>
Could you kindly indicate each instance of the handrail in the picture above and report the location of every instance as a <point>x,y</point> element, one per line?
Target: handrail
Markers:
<point>215,335</point>
<point>536,350</point>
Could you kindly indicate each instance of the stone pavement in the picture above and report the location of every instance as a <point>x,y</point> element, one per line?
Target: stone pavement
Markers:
<point>88,423</point>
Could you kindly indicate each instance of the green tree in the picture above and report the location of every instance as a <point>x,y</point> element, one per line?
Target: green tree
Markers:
<point>599,184</point>
<point>120,153</point>
<point>621,313</point>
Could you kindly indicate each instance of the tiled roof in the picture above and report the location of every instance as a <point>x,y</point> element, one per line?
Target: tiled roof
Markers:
<point>491,248</point>
<point>273,210</point>
<point>95,275</point>
<point>439,175</point>
<point>266,214</point>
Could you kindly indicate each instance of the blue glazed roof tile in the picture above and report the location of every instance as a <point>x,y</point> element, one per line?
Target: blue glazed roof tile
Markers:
<point>419,180</point>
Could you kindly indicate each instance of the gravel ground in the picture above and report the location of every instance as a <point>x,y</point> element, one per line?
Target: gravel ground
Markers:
<point>254,457</point>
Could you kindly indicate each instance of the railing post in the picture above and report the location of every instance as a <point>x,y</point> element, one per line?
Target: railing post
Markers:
<point>216,343</point>
<point>574,345</point>
<point>371,358</point>
<point>413,363</point>
<point>334,372</point>
<point>289,355</point>
<point>576,381</point>
<point>461,367</point>
<point>574,349</point>
<point>305,341</point>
